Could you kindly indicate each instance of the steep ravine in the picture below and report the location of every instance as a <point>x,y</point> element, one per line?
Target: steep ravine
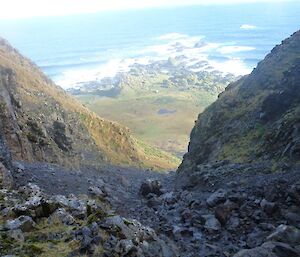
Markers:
<point>212,208</point>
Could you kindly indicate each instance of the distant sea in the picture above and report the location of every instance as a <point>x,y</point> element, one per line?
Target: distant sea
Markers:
<point>72,49</point>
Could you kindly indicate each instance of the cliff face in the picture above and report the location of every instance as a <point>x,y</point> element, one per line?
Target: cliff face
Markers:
<point>257,118</point>
<point>40,122</point>
<point>6,166</point>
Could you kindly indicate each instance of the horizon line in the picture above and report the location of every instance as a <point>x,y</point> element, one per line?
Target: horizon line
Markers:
<point>116,10</point>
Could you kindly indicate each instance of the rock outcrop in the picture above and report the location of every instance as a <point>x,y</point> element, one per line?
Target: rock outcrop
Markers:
<point>256,118</point>
<point>6,166</point>
<point>6,179</point>
<point>244,156</point>
<point>71,226</point>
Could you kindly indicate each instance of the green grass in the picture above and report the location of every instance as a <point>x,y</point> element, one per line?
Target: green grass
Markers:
<point>142,96</point>
<point>138,110</point>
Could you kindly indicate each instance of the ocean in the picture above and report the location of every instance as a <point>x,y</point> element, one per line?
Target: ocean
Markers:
<point>81,48</point>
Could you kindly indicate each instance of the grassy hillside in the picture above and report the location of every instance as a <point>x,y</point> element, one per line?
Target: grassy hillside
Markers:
<point>43,123</point>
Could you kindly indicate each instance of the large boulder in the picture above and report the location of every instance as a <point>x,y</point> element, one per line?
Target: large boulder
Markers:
<point>216,198</point>
<point>76,206</point>
<point>24,223</point>
<point>61,216</point>
<point>37,205</point>
<point>138,239</point>
<point>131,229</point>
<point>151,187</point>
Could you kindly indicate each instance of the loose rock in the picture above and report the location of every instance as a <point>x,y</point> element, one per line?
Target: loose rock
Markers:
<point>216,198</point>
<point>23,223</point>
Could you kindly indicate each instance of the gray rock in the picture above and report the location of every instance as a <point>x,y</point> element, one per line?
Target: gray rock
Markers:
<point>124,181</point>
<point>186,215</point>
<point>19,165</point>
<point>94,228</point>
<point>255,238</point>
<point>86,232</point>
<point>270,249</point>
<point>125,247</point>
<point>181,232</point>
<point>237,197</point>
<point>86,244</point>
<point>46,208</point>
<point>96,191</point>
<point>286,234</point>
<point>24,223</point>
<point>153,202</point>
<point>223,213</point>
<point>258,215</point>
<point>232,224</point>
<point>293,218</point>
<point>168,198</point>
<point>36,206</point>
<point>266,226</point>
<point>30,190</point>
<point>151,187</point>
<point>61,215</point>
<point>211,223</point>
<point>97,240</point>
<point>131,229</point>
<point>16,235</point>
<point>268,207</point>
<point>6,179</point>
<point>71,203</point>
<point>28,207</point>
<point>216,198</point>
<point>294,193</point>
<point>144,237</point>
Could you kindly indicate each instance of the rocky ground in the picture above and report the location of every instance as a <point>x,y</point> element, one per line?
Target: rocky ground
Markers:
<point>221,209</point>
<point>41,217</point>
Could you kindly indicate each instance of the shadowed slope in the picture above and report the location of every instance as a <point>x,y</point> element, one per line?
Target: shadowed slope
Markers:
<point>257,118</point>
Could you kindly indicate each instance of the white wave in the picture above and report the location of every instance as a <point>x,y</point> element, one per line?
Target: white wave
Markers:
<point>248,27</point>
<point>73,78</point>
<point>175,48</point>
<point>234,66</point>
<point>235,49</point>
